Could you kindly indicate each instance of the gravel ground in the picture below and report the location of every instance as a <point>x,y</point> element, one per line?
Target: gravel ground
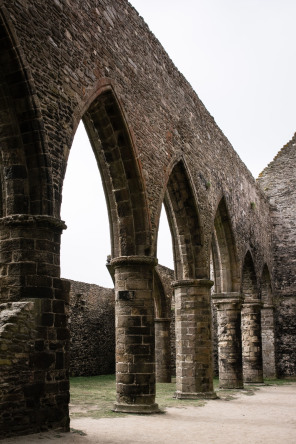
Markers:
<point>268,416</point>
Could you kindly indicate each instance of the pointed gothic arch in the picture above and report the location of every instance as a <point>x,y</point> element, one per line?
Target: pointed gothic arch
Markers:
<point>251,324</point>
<point>224,252</point>
<point>266,289</point>
<point>25,173</point>
<point>249,280</point>
<point>184,222</point>
<point>226,301</point>
<point>123,183</point>
<point>267,326</point>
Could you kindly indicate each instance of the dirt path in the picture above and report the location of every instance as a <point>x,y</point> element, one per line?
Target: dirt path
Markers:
<point>269,417</point>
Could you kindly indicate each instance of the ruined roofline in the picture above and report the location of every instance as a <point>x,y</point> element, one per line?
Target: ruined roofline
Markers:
<point>280,153</point>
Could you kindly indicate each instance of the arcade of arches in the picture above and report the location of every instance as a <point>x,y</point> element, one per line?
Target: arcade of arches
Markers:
<point>154,143</point>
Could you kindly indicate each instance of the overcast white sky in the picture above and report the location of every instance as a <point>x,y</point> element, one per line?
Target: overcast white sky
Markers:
<point>240,58</point>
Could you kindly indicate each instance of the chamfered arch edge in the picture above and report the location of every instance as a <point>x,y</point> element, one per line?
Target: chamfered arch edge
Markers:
<point>189,264</point>
<point>225,238</point>
<point>131,180</point>
<point>36,162</point>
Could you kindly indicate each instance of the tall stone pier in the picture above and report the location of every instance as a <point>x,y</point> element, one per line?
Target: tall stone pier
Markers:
<point>194,368</point>
<point>135,343</point>
<point>229,339</point>
<point>252,342</point>
<point>163,349</point>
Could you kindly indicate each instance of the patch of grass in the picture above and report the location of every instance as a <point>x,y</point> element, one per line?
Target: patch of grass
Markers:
<point>286,381</point>
<point>165,397</point>
<point>78,432</point>
<point>94,396</point>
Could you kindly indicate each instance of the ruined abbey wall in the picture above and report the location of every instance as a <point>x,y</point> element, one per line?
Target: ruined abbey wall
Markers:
<point>92,330</point>
<point>278,181</point>
<point>154,141</point>
<point>71,62</point>
<point>92,326</point>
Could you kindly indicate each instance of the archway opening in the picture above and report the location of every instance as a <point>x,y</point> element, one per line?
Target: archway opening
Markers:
<point>86,242</point>
<point>165,348</point>
<point>267,326</point>
<point>224,273</point>
<point>84,250</point>
<point>251,324</point>
<point>164,242</point>
<point>130,237</point>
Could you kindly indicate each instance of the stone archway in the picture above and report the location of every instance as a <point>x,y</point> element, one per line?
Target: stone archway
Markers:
<point>131,263</point>
<point>33,315</point>
<point>227,301</point>
<point>194,373</point>
<point>267,326</point>
<point>251,324</point>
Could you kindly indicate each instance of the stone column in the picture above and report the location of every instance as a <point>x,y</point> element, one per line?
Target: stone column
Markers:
<point>194,372</point>
<point>229,339</point>
<point>163,349</point>
<point>251,342</point>
<point>268,341</point>
<point>30,277</point>
<point>135,344</point>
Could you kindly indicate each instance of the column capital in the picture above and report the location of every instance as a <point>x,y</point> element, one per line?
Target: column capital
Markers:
<point>232,298</point>
<point>123,261</point>
<point>28,220</point>
<point>192,283</point>
<point>227,295</point>
<point>267,306</point>
<point>251,303</point>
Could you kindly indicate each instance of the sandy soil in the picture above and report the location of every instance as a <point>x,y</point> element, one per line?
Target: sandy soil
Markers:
<point>269,416</point>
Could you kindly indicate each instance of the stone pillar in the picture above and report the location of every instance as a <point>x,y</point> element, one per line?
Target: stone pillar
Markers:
<point>194,372</point>
<point>251,342</point>
<point>163,349</point>
<point>268,341</point>
<point>30,277</point>
<point>229,340</point>
<point>135,344</point>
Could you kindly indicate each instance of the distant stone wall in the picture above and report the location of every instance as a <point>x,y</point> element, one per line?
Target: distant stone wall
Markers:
<point>92,328</point>
<point>167,276</point>
<point>17,342</point>
<point>63,61</point>
<point>278,182</point>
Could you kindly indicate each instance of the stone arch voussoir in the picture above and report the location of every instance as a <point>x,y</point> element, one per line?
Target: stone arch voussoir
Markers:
<point>184,221</point>
<point>25,173</point>
<point>224,252</point>
<point>249,284</point>
<point>123,183</point>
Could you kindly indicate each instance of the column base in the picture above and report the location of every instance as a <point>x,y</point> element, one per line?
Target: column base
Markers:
<point>231,386</point>
<point>137,408</point>
<point>197,395</point>
<point>257,384</point>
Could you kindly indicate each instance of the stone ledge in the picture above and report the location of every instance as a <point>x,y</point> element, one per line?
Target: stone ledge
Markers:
<point>32,220</point>
<point>122,261</point>
<point>196,395</point>
<point>192,283</point>
<point>137,408</point>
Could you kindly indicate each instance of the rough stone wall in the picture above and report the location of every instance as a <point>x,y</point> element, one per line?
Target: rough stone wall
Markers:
<point>17,340</point>
<point>215,340</point>
<point>92,326</point>
<point>28,402</point>
<point>64,61</point>
<point>278,181</point>
<point>92,330</point>
<point>167,277</point>
<point>76,49</point>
